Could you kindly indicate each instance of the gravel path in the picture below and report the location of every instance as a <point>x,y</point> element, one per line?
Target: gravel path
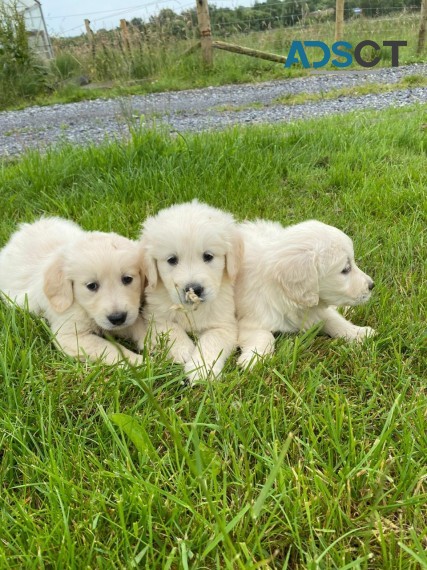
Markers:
<point>200,109</point>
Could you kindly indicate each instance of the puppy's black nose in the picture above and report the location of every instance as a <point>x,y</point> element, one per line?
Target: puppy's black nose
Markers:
<point>198,289</point>
<point>371,285</point>
<point>117,318</point>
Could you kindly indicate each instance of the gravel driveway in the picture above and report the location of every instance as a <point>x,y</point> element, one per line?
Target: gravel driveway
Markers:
<point>201,109</point>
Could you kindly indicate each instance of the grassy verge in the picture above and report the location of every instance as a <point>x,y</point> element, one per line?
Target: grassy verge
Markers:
<point>410,81</point>
<point>367,89</point>
<point>316,459</point>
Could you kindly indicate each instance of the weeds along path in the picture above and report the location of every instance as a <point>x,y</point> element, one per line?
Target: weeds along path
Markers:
<point>213,108</point>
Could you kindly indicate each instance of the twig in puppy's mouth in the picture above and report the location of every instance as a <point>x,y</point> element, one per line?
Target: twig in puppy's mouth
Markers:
<point>190,297</point>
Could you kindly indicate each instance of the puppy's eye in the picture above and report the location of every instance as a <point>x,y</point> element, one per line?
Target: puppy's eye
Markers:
<point>127,279</point>
<point>94,286</point>
<point>346,269</point>
<point>172,260</point>
<point>207,257</point>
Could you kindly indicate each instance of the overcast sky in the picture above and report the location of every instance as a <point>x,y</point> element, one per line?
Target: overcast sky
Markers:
<point>65,17</point>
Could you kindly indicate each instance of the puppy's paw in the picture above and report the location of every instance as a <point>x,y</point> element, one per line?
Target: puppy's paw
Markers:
<point>137,361</point>
<point>359,334</point>
<point>182,353</point>
<point>134,361</point>
<point>198,371</point>
<point>248,359</point>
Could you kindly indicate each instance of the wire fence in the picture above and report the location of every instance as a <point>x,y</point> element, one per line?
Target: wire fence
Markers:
<point>136,48</point>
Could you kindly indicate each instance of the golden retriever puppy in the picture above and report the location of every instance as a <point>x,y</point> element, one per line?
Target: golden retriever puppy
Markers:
<point>84,283</point>
<point>293,278</point>
<point>192,254</point>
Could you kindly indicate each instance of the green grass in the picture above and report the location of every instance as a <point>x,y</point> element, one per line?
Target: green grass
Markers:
<point>314,460</point>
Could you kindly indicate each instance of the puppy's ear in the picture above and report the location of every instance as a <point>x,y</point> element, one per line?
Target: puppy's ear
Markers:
<point>57,288</point>
<point>142,272</point>
<point>298,276</point>
<point>234,256</point>
<point>149,263</point>
<point>150,271</point>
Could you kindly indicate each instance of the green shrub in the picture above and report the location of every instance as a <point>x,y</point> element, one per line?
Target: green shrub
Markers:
<point>65,66</point>
<point>21,75</point>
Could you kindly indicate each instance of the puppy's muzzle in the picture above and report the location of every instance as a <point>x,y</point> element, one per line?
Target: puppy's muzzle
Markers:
<point>117,319</point>
<point>371,285</point>
<point>196,289</point>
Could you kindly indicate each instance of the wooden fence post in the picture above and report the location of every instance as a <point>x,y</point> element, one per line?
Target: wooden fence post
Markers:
<point>125,35</point>
<point>91,37</point>
<point>339,20</point>
<point>423,27</point>
<point>205,31</point>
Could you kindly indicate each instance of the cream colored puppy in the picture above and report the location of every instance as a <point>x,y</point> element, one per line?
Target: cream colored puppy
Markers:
<point>291,279</point>
<point>84,283</point>
<point>192,254</point>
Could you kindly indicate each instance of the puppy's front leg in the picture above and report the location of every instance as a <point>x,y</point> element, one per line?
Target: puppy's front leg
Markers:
<point>336,326</point>
<point>180,345</point>
<point>212,350</point>
<point>87,345</point>
<point>254,343</point>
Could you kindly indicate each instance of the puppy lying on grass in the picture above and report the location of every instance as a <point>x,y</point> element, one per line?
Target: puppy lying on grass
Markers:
<point>292,279</point>
<point>192,254</point>
<point>84,283</point>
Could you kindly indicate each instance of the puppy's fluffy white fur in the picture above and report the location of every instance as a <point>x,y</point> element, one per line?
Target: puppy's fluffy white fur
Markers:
<point>192,254</point>
<point>83,283</point>
<point>291,279</point>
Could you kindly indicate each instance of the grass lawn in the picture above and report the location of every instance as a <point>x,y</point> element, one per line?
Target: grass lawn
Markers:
<point>315,459</point>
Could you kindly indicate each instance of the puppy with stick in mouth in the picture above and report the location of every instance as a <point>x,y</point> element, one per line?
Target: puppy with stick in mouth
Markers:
<point>192,253</point>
